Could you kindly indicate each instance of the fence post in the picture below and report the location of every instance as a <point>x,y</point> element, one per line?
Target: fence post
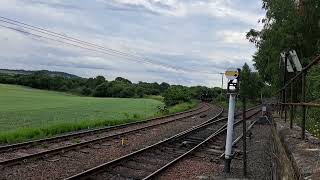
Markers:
<point>281,104</point>
<point>244,138</point>
<point>285,106</point>
<point>303,100</point>
<point>291,107</point>
<point>284,90</point>
<point>278,104</point>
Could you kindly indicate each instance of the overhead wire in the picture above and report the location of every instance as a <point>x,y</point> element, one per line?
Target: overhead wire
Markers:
<point>48,38</point>
<point>92,49</point>
<point>59,35</point>
<point>86,45</point>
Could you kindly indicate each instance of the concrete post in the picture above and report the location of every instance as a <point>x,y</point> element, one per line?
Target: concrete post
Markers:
<point>229,140</point>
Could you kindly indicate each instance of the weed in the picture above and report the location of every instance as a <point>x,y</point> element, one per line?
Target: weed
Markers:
<point>75,141</point>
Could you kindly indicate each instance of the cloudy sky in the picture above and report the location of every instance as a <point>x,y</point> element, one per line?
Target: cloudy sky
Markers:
<point>177,41</point>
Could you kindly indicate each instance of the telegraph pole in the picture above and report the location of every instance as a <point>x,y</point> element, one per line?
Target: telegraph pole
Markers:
<point>222,74</point>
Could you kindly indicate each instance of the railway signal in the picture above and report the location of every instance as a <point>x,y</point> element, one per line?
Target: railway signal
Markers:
<point>233,88</point>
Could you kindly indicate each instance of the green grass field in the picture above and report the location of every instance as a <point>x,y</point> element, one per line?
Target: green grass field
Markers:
<point>27,113</point>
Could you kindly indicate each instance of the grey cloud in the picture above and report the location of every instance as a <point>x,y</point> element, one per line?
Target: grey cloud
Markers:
<point>183,42</point>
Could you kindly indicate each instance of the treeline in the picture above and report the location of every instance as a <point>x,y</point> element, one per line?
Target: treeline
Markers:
<point>288,25</point>
<point>119,87</point>
<point>252,85</point>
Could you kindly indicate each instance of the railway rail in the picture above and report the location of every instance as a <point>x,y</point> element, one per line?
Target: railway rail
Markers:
<point>146,163</point>
<point>206,162</point>
<point>91,131</point>
<point>35,149</point>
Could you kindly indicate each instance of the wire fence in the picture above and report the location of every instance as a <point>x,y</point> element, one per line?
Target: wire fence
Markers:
<point>298,99</point>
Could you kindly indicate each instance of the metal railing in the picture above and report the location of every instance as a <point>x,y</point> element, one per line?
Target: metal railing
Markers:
<point>288,88</point>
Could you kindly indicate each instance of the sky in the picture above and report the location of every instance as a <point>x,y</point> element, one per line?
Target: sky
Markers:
<point>184,42</point>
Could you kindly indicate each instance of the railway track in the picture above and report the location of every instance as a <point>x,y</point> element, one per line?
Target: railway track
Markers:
<point>207,160</point>
<point>22,152</point>
<point>77,134</point>
<point>146,163</point>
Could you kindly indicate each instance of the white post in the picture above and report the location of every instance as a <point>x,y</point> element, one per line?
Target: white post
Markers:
<point>229,140</point>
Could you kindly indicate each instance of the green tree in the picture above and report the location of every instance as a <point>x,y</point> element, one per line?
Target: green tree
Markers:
<point>101,90</point>
<point>99,80</point>
<point>288,24</point>
<point>86,91</point>
<point>120,79</point>
<point>176,94</point>
<point>251,83</point>
<point>164,86</point>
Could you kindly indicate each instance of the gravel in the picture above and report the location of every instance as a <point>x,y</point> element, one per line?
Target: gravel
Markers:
<point>76,161</point>
<point>205,164</point>
<point>42,147</point>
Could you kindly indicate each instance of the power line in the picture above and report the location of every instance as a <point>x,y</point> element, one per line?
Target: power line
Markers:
<point>86,45</point>
<point>129,57</point>
<point>63,36</point>
<point>51,39</point>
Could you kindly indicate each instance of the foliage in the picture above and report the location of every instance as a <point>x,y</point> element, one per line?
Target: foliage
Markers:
<point>251,83</point>
<point>313,124</point>
<point>182,107</point>
<point>204,93</point>
<point>176,94</point>
<point>155,97</point>
<point>28,113</point>
<point>27,108</point>
<point>289,25</point>
<point>313,85</point>
<point>100,87</point>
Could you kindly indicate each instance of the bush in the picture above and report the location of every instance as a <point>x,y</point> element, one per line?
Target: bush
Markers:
<point>86,91</point>
<point>176,94</point>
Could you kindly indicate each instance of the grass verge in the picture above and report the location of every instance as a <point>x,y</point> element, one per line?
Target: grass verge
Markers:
<point>25,134</point>
<point>182,107</point>
<point>155,97</point>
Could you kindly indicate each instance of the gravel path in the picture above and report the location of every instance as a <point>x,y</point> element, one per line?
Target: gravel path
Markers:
<point>72,162</point>
<point>259,152</point>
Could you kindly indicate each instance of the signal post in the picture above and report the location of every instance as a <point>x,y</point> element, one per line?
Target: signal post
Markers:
<point>233,89</point>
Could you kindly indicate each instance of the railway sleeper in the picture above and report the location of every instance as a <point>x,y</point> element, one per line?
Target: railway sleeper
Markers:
<point>163,156</point>
<point>138,164</point>
<point>195,138</point>
<point>214,151</point>
<point>172,151</point>
<point>146,160</point>
<point>190,141</point>
<point>176,149</point>
<point>111,175</point>
<point>129,173</point>
<point>216,146</point>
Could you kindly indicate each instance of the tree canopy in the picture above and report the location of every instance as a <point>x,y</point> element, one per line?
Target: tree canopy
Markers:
<point>119,87</point>
<point>251,83</point>
<point>288,25</point>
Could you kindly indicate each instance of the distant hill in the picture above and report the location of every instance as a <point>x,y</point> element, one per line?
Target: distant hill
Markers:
<point>25,72</point>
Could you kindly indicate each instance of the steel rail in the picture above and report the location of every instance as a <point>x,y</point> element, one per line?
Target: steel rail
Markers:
<point>83,144</point>
<point>218,132</point>
<point>99,168</point>
<point>95,169</point>
<point>240,137</point>
<point>92,131</point>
